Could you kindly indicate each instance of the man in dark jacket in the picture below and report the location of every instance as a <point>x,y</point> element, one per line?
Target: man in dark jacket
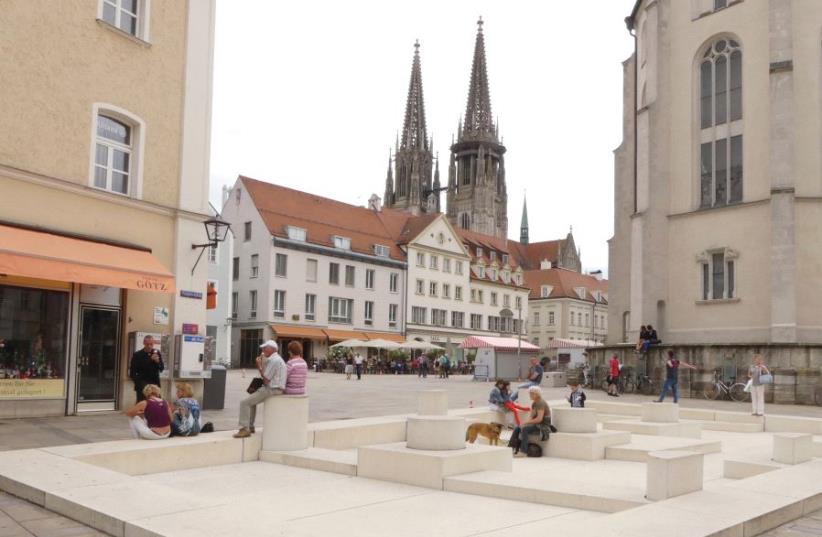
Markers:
<point>146,366</point>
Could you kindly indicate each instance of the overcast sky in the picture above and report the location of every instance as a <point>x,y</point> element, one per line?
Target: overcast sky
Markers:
<point>311,94</point>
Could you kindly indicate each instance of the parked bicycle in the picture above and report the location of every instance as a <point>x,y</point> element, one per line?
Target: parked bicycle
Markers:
<point>732,390</point>
<point>646,385</point>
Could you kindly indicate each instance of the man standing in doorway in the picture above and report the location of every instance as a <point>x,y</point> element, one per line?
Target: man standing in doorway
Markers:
<point>146,366</point>
<point>358,365</point>
<point>672,376</point>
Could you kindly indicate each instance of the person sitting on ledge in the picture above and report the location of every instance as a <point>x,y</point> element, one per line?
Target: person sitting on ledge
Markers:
<point>500,400</point>
<point>538,423</point>
<point>651,339</point>
<point>296,370</point>
<point>151,417</point>
<point>272,369</point>
<point>643,336</point>
<point>185,412</point>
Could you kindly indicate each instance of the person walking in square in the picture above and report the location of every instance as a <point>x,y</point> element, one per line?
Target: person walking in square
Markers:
<point>273,371</point>
<point>755,373</point>
<point>613,375</point>
<point>672,376</point>
<point>358,365</point>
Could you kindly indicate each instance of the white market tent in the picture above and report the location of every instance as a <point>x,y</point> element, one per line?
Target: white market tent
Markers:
<point>497,356</point>
<point>570,352</point>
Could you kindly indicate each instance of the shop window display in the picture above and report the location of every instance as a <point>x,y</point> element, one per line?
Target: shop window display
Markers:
<point>33,325</point>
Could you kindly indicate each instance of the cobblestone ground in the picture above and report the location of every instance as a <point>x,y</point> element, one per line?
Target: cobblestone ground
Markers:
<point>332,397</point>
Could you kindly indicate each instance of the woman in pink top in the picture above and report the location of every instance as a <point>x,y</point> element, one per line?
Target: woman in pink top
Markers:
<point>297,370</point>
<point>150,418</point>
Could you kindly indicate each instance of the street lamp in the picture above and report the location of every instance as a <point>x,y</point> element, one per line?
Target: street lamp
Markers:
<point>216,231</point>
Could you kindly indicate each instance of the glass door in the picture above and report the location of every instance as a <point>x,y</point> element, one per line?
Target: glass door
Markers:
<point>97,360</point>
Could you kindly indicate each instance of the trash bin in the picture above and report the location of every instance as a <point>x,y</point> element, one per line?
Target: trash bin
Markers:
<point>214,389</point>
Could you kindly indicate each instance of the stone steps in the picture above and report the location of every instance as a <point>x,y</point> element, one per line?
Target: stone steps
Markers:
<point>639,447</point>
<point>683,429</point>
<point>324,460</point>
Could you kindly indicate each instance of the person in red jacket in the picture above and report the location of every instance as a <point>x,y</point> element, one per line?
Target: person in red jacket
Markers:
<point>613,375</point>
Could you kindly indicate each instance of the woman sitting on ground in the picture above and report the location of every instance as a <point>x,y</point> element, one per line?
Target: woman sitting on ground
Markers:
<point>500,399</point>
<point>151,418</point>
<point>185,413</point>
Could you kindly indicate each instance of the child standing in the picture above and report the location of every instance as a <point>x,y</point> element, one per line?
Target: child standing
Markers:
<point>577,397</point>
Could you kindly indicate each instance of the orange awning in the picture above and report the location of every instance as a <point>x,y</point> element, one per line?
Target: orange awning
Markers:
<point>340,335</point>
<point>39,254</point>
<point>307,332</point>
<point>390,336</point>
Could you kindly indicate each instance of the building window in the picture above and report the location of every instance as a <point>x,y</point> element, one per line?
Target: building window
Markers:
<point>476,321</point>
<point>720,83</point>
<point>446,264</point>
<point>579,319</point>
<point>252,301</point>
<point>381,250</point>
<point>310,307</point>
<point>506,301</point>
<point>280,265</point>
<point>457,292</point>
<point>339,310</point>
<point>439,317</point>
<point>418,315</point>
<point>434,262</point>
<point>493,298</point>
<point>536,318</point>
<point>479,252</point>
<point>255,266</point>
<point>247,234</point>
<point>481,272</point>
<point>392,314</point>
<point>465,220</point>
<point>296,233</point>
<point>718,275</point>
<point>369,278</point>
<point>587,320</point>
<point>480,298</point>
<point>369,312</point>
<point>446,291</point>
<point>334,273</point>
<point>393,282</point>
<point>545,291</point>
<point>279,303</point>
<point>113,156</point>
<point>457,319</point>
<point>551,318</point>
<point>420,287</point>
<point>492,273</point>
<point>494,324</point>
<point>343,243</point>
<point>311,270</point>
<point>572,318</point>
<point>719,4</point>
<point>125,15</point>
<point>235,269</point>
<point>235,304</point>
<point>473,295</point>
<point>504,259</point>
<point>420,259</point>
<point>432,288</point>
<point>458,267</point>
<point>350,275</point>
<point>518,303</point>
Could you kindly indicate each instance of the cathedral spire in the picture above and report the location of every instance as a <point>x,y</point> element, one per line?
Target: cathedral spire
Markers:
<point>389,183</point>
<point>523,228</point>
<point>414,134</point>
<point>478,119</point>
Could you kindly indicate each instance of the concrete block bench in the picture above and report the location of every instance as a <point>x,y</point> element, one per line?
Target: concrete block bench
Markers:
<point>432,403</point>
<point>792,448</point>
<point>286,423</point>
<point>436,432</point>
<point>574,420</point>
<point>673,473</point>
<point>660,412</point>
<point>580,446</point>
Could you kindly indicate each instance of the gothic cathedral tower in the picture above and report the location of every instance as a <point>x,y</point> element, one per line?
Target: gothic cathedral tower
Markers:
<point>410,187</point>
<point>477,196</point>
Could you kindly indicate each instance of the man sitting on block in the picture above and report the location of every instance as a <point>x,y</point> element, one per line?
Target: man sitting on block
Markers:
<point>273,371</point>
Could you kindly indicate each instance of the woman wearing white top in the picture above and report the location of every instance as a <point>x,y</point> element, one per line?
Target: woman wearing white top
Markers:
<point>755,372</point>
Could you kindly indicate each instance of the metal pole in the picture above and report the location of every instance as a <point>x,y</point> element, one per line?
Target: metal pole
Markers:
<point>519,330</point>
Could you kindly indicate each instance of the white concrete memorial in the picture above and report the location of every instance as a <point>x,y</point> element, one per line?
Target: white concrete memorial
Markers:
<point>792,448</point>
<point>574,420</point>
<point>673,473</point>
<point>432,403</point>
<point>286,423</point>
<point>660,412</point>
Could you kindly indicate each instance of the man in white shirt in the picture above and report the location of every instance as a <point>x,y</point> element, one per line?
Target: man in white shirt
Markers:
<point>273,372</point>
<point>358,359</point>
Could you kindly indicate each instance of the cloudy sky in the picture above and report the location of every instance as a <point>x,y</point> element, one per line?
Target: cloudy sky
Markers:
<point>311,94</point>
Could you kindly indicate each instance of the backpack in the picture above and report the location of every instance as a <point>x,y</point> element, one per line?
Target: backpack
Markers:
<point>514,442</point>
<point>534,450</point>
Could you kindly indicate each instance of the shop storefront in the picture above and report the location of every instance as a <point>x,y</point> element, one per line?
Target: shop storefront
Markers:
<point>63,305</point>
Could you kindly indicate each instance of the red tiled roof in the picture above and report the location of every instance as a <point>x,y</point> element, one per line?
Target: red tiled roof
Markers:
<point>563,282</point>
<point>322,218</point>
<point>531,255</point>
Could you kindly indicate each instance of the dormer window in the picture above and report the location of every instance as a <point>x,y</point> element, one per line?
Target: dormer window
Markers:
<point>381,250</point>
<point>492,273</point>
<point>545,291</point>
<point>296,233</point>
<point>506,276</point>
<point>479,252</point>
<point>504,259</point>
<point>581,292</point>
<point>481,272</point>
<point>492,255</point>
<point>343,243</point>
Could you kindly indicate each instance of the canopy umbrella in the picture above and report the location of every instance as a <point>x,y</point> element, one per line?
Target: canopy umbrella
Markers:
<point>381,344</point>
<point>350,343</point>
<point>418,345</point>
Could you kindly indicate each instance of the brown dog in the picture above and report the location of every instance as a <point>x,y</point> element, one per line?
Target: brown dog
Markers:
<point>491,431</point>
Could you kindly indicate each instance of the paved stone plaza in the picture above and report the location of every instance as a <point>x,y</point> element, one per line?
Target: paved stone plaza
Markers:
<point>537,495</point>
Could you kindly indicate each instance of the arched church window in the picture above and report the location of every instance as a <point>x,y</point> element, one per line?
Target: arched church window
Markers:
<point>465,221</point>
<point>720,121</point>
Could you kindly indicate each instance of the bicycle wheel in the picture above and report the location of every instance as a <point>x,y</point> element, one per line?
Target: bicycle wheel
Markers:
<point>739,394</point>
<point>647,387</point>
<point>630,386</point>
<point>712,391</point>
